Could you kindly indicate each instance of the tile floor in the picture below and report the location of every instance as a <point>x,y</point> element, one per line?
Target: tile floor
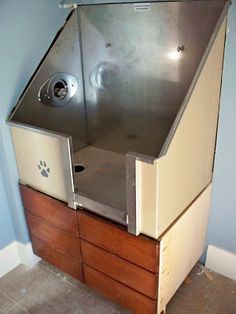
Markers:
<point>46,290</point>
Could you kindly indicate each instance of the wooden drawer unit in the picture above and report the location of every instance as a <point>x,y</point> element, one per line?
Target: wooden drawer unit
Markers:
<point>49,209</point>
<point>121,266</point>
<point>69,265</point>
<point>140,250</point>
<point>123,271</point>
<point>53,237</point>
<point>119,293</point>
<point>54,231</point>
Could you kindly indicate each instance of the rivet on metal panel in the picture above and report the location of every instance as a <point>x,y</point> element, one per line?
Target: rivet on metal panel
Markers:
<point>107,45</point>
<point>180,48</point>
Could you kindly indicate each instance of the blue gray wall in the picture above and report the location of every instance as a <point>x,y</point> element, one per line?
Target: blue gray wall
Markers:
<point>7,233</point>
<point>222,224</point>
<point>27,29</point>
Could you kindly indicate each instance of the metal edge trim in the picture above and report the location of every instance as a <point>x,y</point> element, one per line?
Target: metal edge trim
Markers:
<point>128,2</point>
<point>141,157</point>
<point>68,169</point>
<point>194,81</point>
<point>100,209</point>
<point>219,102</point>
<point>38,130</point>
<point>131,193</point>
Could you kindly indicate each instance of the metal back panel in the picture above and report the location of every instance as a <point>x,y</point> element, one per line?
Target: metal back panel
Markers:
<point>139,61</point>
<point>62,64</point>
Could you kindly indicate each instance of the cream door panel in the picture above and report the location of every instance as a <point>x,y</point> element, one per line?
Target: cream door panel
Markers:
<point>39,161</point>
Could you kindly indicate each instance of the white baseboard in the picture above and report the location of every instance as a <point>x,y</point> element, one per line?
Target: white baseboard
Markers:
<point>27,256</point>
<point>221,261</point>
<point>15,254</point>
<point>9,258</point>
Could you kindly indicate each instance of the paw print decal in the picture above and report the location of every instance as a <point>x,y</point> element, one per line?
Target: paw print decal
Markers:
<point>44,169</point>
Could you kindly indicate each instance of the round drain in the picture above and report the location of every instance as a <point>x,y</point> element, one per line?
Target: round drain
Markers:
<point>60,90</point>
<point>79,168</point>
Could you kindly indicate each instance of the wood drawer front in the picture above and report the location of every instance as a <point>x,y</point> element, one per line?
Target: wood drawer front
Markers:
<point>141,251</point>
<point>49,209</point>
<point>119,293</point>
<point>53,236</point>
<point>67,264</point>
<point>120,269</point>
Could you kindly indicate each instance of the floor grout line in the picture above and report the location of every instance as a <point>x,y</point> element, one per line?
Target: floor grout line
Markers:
<point>17,305</point>
<point>83,301</point>
<point>23,297</point>
<point>9,297</point>
<point>11,307</point>
<point>70,283</point>
<point>23,308</point>
<point>15,302</point>
<point>62,278</point>
<point>58,275</point>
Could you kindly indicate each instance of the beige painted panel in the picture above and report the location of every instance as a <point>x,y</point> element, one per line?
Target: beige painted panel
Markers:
<point>31,148</point>
<point>181,246</point>
<point>186,168</point>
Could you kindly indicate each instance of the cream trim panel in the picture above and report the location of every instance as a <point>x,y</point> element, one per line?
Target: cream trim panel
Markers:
<point>181,247</point>
<point>168,186</point>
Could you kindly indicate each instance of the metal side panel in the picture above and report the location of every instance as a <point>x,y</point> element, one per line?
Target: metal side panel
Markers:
<point>44,162</point>
<point>54,99</point>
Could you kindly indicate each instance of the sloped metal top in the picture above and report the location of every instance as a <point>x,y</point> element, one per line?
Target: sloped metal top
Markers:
<point>134,64</point>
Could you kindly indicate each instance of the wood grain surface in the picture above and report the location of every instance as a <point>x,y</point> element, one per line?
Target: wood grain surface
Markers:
<point>50,209</point>
<point>120,293</point>
<point>68,264</point>
<point>123,271</point>
<point>53,236</point>
<point>141,251</point>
